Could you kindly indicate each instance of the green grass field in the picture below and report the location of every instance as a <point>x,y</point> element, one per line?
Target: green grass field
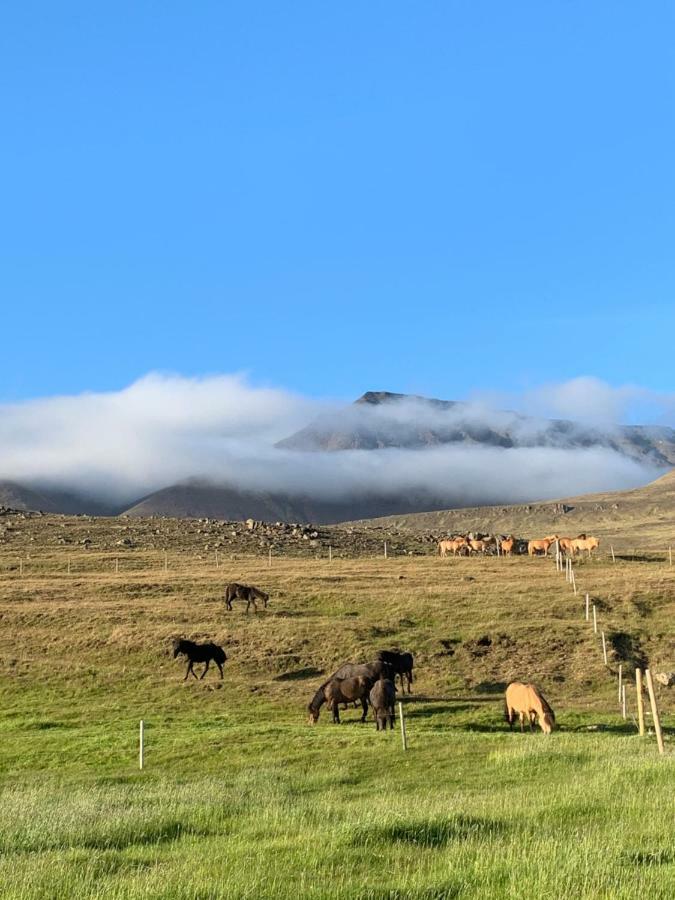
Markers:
<point>241,798</point>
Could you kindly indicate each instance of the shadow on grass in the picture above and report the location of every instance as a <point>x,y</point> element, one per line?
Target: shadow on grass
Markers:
<point>149,834</point>
<point>429,832</point>
<point>648,858</point>
<point>426,712</point>
<point>299,674</point>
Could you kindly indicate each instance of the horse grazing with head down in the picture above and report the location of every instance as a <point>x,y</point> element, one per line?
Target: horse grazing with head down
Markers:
<point>337,691</point>
<point>382,698</point>
<point>199,653</point>
<point>246,593</point>
<point>527,700</point>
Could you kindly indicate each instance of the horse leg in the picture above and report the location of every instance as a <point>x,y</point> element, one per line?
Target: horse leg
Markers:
<point>336,714</point>
<point>364,704</point>
<point>522,722</point>
<point>206,669</point>
<point>190,670</point>
<point>221,669</point>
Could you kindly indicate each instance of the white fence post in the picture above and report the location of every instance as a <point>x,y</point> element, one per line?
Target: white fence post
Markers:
<point>404,736</point>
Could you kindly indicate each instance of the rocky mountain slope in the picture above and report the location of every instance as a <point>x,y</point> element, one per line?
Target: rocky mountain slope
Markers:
<point>644,517</point>
<point>382,419</point>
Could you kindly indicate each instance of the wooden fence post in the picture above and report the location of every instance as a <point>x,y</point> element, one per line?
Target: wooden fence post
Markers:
<point>330,553</point>
<point>620,680</point>
<point>623,701</point>
<point>166,561</point>
<point>604,647</point>
<point>404,737</point>
<point>587,607</point>
<point>385,549</point>
<point>595,621</point>
<point>655,711</point>
<point>613,557</point>
<point>640,705</point>
<point>117,565</point>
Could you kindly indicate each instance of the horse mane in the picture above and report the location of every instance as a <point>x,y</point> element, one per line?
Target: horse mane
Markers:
<point>319,698</point>
<point>544,703</point>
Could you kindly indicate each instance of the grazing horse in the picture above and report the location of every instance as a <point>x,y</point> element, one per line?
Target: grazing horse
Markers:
<point>527,700</point>
<point>247,593</point>
<point>541,546</point>
<point>580,544</point>
<point>400,663</point>
<point>382,698</point>
<point>199,653</point>
<point>340,690</point>
<point>454,546</point>
<point>506,546</point>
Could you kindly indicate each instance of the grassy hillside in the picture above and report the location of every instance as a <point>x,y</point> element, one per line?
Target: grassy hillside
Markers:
<point>641,518</point>
<point>241,798</point>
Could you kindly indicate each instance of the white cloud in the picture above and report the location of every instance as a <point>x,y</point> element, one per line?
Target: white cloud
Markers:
<point>166,428</point>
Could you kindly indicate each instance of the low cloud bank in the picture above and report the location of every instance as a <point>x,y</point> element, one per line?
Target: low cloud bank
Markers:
<point>161,430</point>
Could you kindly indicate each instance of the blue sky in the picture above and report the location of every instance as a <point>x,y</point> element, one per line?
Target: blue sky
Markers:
<point>430,197</point>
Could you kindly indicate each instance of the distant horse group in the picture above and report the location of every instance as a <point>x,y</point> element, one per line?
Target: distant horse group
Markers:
<point>468,544</point>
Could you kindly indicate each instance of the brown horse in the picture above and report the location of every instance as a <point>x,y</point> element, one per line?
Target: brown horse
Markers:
<point>527,700</point>
<point>579,544</point>
<point>382,698</point>
<point>507,545</point>
<point>337,691</point>
<point>247,593</point>
<point>541,546</point>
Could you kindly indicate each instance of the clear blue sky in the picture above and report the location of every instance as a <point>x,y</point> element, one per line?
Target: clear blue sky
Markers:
<point>430,197</point>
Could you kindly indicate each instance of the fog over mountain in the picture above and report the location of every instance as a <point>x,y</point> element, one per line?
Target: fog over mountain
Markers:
<point>186,446</point>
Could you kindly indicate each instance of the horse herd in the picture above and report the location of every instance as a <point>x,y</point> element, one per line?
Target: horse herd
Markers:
<point>373,685</point>
<point>468,544</point>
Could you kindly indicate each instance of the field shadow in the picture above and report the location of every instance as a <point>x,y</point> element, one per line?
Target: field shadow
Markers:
<point>429,833</point>
<point>435,709</point>
<point>648,858</point>
<point>299,674</point>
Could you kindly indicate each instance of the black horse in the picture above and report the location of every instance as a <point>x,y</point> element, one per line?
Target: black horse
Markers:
<point>199,653</point>
<point>400,663</point>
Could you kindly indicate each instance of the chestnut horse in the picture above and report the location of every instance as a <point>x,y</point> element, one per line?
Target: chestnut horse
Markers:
<point>527,700</point>
<point>541,546</point>
<point>579,544</point>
